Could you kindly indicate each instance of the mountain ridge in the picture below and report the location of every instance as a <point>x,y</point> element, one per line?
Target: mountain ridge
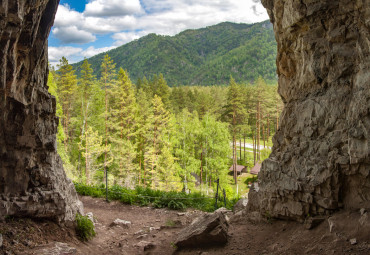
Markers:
<point>205,56</point>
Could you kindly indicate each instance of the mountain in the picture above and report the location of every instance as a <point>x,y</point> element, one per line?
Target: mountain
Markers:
<point>203,56</point>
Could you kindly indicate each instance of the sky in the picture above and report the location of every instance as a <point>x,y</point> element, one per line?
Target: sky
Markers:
<point>84,28</point>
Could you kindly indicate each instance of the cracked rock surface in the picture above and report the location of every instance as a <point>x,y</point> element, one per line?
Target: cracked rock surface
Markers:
<point>320,160</point>
<point>32,180</point>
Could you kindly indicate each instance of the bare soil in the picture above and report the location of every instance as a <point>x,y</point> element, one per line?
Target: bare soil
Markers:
<point>159,227</point>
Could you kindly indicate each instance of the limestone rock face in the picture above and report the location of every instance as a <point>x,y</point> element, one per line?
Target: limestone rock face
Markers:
<point>32,179</point>
<point>320,160</point>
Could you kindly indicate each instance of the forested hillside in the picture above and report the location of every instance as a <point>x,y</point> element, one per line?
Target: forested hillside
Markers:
<point>149,134</point>
<point>206,56</point>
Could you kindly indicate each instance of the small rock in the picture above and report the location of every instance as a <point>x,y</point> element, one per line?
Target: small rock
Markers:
<point>353,241</point>
<point>331,224</point>
<point>56,248</point>
<point>154,228</point>
<point>1,240</point>
<point>145,245</point>
<point>119,222</point>
<point>362,211</point>
<point>141,236</point>
<point>312,222</point>
<point>139,232</point>
<point>90,216</point>
<point>240,205</point>
<point>222,210</point>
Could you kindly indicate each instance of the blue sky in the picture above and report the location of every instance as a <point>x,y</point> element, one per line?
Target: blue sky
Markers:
<point>83,28</point>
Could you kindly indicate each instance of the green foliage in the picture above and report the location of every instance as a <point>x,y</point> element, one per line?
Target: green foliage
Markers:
<point>169,139</point>
<point>203,56</point>
<point>85,229</point>
<point>157,198</point>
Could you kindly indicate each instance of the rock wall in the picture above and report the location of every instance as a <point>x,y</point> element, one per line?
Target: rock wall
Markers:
<point>32,179</point>
<point>320,160</point>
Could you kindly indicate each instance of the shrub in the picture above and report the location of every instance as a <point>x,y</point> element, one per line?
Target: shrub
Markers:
<point>84,227</point>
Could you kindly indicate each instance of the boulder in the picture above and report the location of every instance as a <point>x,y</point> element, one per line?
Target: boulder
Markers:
<point>208,229</point>
<point>240,205</point>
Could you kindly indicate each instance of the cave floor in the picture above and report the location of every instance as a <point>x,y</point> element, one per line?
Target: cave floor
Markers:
<point>159,227</point>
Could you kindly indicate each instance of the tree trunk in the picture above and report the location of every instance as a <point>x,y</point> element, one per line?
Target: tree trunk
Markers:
<point>254,151</point>
<point>244,149</point>
<point>240,147</point>
<point>201,164</point>
<point>258,130</point>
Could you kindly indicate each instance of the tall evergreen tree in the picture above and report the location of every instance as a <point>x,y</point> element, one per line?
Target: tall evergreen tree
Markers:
<point>123,122</point>
<point>108,76</point>
<point>235,114</point>
<point>66,87</point>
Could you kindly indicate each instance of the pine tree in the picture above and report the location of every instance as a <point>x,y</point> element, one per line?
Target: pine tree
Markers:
<point>235,114</point>
<point>160,120</point>
<point>92,148</point>
<point>86,83</point>
<point>122,121</point>
<point>66,87</point>
<point>107,81</point>
<point>143,129</point>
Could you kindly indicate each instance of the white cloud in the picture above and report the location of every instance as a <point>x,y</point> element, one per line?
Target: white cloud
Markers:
<point>122,19</point>
<point>92,51</point>
<point>72,34</point>
<point>108,8</point>
<point>56,53</point>
<point>125,37</point>
<point>109,25</point>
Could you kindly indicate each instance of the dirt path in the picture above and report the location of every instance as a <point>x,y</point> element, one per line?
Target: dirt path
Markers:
<point>158,228</point>
<point>276,237</point>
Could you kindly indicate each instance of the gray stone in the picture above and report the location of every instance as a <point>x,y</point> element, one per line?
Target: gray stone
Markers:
<point>1,240</point>
<point>122,223</point>
<point>31,171</point>
<point>362,211</point>
<point>320,158</point>
<point>56,248</point>
<point>90,216</point>
<point>144,245</point>
<point>353,241</point>
<point>208,229</point>
<point>312,222</point>
<point>240,205</point>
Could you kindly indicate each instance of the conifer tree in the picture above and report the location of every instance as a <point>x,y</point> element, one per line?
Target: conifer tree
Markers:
<point>235,114</point>
<point>122,123</point>
<point>92,148</point>
<point>160,120</point>
<point>86,83</point>
<point>66,87</point>
<point>143,129</point>
<point>107,81</point>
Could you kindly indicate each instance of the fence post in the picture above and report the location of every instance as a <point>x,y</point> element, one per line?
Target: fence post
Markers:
<point>218,182</point>
<point>106,184</point>
<point>224,197</point>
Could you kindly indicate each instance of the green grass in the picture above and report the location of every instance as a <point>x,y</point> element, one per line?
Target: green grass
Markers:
<point>156,198</point>
<point>85,229</point>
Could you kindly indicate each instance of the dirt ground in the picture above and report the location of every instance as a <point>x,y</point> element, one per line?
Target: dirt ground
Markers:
<point>158,228</point>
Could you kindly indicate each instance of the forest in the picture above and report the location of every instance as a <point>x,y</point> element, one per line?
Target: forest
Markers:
<point>206,56</point>
<point>150,134</point>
